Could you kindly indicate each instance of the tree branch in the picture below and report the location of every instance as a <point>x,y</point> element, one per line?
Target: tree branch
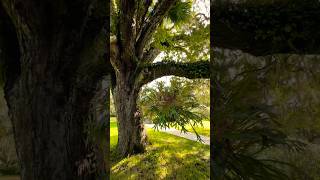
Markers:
<point>150,55</point>
<point>267,28</point>
<point>141,14</point>
<point>126,35</point>
<point>200,69</point>
<point>157,15</point>
<point>204,16</point>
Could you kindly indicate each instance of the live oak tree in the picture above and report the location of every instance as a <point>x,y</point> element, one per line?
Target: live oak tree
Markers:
<point>141,31</point>
<point>54,59</point>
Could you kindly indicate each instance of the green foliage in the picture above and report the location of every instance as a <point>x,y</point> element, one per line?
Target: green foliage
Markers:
<point>202,92</point>
<point>185,36</point>
<point>189,42</point>
<point>172,106</point>
<point>180,12</point>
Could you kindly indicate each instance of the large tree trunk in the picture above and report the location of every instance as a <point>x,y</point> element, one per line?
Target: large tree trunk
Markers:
<point>49,121</point>
<point>132,138</point>
<point>51,79</point>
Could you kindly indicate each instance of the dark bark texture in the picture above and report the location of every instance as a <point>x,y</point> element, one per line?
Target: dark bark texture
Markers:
<point>131,137</point>
<point>51,82</point>
<point>267,27</point>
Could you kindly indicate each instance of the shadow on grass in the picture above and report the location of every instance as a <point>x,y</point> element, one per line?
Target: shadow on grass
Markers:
<point>168,157</point>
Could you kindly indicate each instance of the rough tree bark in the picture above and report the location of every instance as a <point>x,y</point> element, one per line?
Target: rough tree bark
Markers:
<point>54,52</point>
<point>131,136</point>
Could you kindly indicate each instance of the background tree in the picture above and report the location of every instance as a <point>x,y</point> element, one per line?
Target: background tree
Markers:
<point>54,59</point>
<point>144,29</point>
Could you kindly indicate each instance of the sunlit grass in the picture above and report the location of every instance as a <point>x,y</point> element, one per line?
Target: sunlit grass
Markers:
<point>167,157</point>
<point>202,130</point>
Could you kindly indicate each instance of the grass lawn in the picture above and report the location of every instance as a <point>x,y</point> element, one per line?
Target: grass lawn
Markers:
<point>167,157</point>
<point>202,130</point>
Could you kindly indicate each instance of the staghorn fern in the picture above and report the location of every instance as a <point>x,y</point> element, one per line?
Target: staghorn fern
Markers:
<point>172,106</point>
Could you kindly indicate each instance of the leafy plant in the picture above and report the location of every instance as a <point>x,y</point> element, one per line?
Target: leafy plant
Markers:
<point>172,105</point>
<point>181,12</point>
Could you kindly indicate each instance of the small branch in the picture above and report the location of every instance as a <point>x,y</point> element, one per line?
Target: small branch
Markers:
<point>157,15</point>
<point>192,70</point>
<point>141,15</point>
<point>126,29</point>
<point>205,17</point>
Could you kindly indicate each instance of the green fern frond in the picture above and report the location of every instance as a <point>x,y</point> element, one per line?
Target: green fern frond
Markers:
<point>180,12</point>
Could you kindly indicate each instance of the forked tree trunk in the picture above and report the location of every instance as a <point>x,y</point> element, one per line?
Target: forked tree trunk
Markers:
<point>132,137</point>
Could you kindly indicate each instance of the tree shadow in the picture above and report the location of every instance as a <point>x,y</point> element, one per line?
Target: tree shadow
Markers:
<point>168,157</point>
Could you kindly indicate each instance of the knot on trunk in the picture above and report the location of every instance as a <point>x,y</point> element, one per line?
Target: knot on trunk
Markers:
<point>137,115</point>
